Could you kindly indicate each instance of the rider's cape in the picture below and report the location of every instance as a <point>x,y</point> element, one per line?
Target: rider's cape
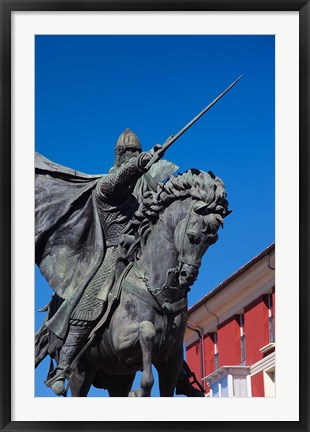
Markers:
<point>68,237</point>
<point>69,241</point>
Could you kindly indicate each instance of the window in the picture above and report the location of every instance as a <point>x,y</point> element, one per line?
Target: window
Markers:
<point>239,386</point>
<point>224,386</point>
<point>220,388</point>
<point>242,340</point>
<point>270,319</point>
<point>216,354</point>
<point>215,390</point>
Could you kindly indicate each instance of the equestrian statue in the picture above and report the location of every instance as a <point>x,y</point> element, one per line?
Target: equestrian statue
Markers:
<point>121,251</point>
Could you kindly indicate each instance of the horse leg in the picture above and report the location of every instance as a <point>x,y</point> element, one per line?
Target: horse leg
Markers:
<point>119,385</point>
<point>81,379</point>
<point>146,339</point>
<point>168,374</point>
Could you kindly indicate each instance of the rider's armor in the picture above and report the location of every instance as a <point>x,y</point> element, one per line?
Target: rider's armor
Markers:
<point>116,205</point>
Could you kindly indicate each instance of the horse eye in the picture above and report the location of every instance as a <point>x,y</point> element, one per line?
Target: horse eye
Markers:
<point>191,237</point>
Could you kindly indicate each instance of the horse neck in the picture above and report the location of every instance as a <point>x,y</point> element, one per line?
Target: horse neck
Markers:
<point>160,255</point>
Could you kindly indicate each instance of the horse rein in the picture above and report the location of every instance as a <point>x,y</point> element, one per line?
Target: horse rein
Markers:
<point>181,258</point>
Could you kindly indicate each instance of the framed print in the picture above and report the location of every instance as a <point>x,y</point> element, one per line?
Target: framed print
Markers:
<point>75,77</point>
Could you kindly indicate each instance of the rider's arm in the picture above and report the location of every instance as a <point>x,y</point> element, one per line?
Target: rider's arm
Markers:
<point>114,186</point>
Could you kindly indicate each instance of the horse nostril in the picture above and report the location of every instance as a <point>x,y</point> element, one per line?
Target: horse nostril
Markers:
<point>183,274</point>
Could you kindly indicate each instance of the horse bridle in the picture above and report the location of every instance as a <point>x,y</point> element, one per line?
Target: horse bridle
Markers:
<point>181,257</point>
<point>173,273</point>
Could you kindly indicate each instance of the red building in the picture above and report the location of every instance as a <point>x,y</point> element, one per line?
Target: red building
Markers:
<point>230,336</point>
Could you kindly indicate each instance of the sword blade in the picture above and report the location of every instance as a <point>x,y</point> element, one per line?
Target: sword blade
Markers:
<point>173,138</point>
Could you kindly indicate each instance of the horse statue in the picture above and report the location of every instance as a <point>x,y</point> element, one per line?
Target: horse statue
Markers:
<point>162,247</point>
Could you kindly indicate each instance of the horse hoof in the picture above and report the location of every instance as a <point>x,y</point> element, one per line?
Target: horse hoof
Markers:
<point>135,393</point>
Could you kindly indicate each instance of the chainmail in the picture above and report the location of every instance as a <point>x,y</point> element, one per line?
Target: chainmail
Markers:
<point>114,200</point>
<point>90,307</point>
<point>115,205</point>
<point>117,185</point>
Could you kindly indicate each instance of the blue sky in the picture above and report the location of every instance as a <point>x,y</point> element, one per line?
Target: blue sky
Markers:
<point>88,89</point>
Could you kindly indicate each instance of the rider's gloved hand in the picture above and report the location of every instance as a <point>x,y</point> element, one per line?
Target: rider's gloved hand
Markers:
<point>155,149</point>
<point>145,157</point>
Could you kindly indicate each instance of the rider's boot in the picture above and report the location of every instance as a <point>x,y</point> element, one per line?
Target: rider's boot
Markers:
<point>75,341</point>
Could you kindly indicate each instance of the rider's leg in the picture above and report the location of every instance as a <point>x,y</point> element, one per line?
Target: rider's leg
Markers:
<point>83,319</point>
<point>75,341</point>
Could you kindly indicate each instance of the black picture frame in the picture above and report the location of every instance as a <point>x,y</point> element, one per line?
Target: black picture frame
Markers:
<point>6,8</point>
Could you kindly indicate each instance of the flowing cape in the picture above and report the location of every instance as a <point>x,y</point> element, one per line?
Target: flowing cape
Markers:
<point>69,241</point>
<point>68,237</point>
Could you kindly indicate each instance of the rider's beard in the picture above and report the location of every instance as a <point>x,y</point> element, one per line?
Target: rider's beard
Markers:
<point>121,158</point>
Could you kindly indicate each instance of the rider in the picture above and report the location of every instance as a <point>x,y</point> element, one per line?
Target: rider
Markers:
<point>115,205</point>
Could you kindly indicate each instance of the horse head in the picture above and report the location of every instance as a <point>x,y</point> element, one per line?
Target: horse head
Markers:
<point>175,225</point>
<point>198,230</point>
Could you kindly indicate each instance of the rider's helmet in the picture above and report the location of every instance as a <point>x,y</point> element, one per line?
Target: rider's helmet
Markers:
<point>127,146</point>
<point>128,140</point>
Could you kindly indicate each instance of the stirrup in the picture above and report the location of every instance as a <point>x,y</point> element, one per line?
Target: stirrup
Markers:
<point>69,368</point>
<point>56,376</point>
<point>61,377</point>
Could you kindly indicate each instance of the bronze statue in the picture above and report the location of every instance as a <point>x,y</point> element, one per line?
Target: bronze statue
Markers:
<point>64,239</point>
<point>121,251</point>
<point>159,255</point>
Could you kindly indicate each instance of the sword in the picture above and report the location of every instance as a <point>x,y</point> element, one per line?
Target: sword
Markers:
<point>173,138</point>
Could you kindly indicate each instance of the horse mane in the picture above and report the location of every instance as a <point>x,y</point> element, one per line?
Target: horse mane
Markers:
<point>193,183</point>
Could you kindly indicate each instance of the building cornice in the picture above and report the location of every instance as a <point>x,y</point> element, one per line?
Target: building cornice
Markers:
<point>237,273</point>
<point>263,364</point>
<point>267,348</point>
<point>227,370</point>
